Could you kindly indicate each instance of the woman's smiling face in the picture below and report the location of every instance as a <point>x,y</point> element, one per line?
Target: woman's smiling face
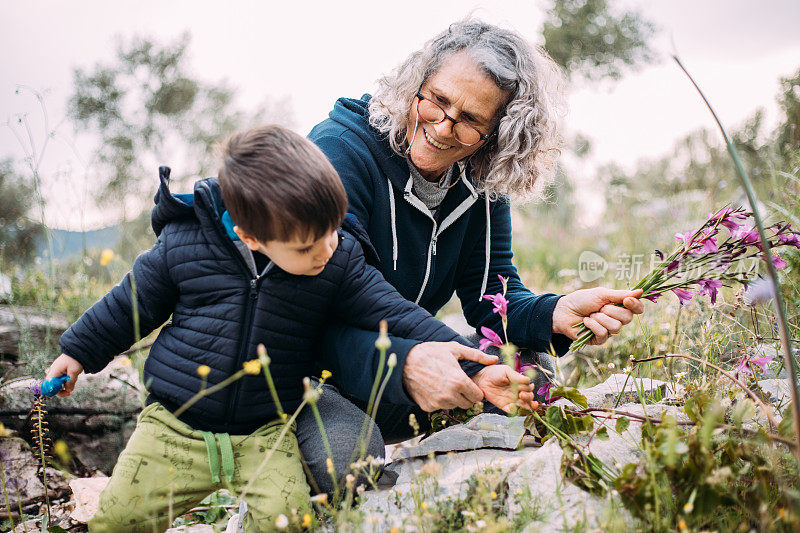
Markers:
<point>464,91</point>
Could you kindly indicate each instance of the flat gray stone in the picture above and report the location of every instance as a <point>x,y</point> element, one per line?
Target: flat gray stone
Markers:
<point>629,387</point>
<point>487,430</point>
<point>776,391</point>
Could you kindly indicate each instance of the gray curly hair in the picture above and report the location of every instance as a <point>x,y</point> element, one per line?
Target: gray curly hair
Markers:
<point>527,142</point>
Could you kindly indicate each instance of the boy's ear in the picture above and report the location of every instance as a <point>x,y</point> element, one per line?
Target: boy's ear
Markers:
<point>246,238</point>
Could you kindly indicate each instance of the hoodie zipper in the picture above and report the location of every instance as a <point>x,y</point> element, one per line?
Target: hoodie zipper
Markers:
<point>436,230</point>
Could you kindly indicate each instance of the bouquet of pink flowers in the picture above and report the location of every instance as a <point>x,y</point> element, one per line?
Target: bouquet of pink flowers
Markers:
<point>703,260</point>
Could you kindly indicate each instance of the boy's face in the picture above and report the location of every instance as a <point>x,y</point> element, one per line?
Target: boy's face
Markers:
<point>300,257</point>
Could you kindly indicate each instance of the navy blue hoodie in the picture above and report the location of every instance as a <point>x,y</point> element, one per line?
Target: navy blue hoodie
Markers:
<point>222,309</point>
<point>426,260</point>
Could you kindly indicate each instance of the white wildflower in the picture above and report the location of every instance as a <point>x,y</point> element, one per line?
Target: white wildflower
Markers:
<point>282,522</point>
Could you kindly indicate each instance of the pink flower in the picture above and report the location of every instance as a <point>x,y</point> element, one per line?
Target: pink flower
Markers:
<point>760,362</point>
<point>726,216</point>
<point>685,238</point>
<point>492,339</point>
<point>683,295</point>
<point>709,245</point>
<point>519,367</point>
<point>545,389</point>
<point>789,239</point>
<point>504,281</point>
<point>709,287</point>
<point>653,297</point>
<point>778,262</point>
<point>749,236</point>
<point>500,303</point>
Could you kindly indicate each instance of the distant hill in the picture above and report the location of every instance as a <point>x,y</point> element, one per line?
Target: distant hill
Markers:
<point>70,244</point>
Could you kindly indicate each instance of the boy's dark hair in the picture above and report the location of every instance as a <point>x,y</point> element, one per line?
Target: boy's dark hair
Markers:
<point>277,185</point>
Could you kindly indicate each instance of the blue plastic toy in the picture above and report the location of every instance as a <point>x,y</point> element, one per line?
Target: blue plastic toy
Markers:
<point>52,386</point>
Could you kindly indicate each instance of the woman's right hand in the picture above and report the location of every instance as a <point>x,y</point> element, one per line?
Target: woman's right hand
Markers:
<point>434,379</point>
<point>65,365</point>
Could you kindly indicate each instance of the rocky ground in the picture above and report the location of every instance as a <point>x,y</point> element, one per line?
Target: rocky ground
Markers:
<point>491,448</point>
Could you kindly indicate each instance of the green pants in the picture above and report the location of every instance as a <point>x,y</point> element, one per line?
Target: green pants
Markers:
<point>167,468</point>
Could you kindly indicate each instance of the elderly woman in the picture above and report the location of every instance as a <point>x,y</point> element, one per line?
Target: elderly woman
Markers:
<point>430,163</point>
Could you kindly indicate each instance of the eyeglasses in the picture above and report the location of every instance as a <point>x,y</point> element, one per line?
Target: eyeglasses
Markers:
<point>432,113</point>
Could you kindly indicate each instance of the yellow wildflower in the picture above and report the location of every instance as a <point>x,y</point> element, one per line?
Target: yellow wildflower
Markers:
<point>682,525</point>
<point>106,256</point>
<point>204,370</point>
<point>321,499</point>
<point>394,530</point>
<point>326,374</point>
<point>62,451</point>
<point>306,520</point>
<point>252,367</point>
<point>494,495</point>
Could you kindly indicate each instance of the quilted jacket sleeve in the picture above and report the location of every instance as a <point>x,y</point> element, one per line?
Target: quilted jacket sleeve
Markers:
<point>110,326</point>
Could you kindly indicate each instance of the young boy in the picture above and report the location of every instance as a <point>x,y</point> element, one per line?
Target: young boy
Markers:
<point>275,276</point>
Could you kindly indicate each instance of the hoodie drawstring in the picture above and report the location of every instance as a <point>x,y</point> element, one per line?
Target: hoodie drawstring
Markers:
<point>488,249</point>
<point>394,224</point>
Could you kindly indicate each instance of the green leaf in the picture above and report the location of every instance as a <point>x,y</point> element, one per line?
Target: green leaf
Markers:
<point>786,427</point>
<point>56,529</point>
<point>572,394</point>
<point>602,433</point>
<point>744,410</point>
<point>622,424</point>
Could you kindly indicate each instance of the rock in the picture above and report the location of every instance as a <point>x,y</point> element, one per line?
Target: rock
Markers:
<point>5,288</point>
<point>486,430</point>
<point>606,393</point>
<point>29,326</point>
<point>19,468</point>
<point>386,508</point>
<point>776,392</point>
<point>95,421</point>
<point>86,494</point>
<point>559,505</point>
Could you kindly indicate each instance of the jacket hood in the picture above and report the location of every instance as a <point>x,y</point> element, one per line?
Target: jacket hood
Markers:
<point>206,206</point>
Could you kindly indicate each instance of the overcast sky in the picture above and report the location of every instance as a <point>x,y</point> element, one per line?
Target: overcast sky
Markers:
<point>318,51</point>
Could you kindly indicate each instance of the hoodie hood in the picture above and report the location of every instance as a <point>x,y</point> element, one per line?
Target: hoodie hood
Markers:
<point>354,115</point>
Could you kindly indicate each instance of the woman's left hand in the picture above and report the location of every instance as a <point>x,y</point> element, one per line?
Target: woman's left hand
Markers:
<point>504,387</point>
<point>596,309</point>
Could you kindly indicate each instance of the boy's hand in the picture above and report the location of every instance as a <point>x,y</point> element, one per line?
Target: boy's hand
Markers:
<point>504,387</point>
<point>65,364</point>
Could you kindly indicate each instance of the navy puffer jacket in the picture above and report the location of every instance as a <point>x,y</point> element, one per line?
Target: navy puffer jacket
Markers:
<point>221,310</point>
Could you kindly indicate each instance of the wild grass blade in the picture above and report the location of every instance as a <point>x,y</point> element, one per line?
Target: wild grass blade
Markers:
<point>773,275</point>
